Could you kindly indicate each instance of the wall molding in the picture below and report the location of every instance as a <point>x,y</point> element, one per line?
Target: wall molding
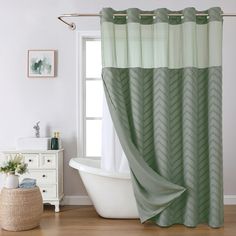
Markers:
<point>85,200</point>
<point>230,199</point>
<point>77,200</point>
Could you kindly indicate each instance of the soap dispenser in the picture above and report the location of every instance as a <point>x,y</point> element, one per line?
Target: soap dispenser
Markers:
<point>55,141</point>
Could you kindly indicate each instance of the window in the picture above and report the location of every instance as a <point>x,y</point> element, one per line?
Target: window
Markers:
<point>90,94</point>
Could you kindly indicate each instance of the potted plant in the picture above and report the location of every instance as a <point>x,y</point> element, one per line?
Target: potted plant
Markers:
<point>12,168</point>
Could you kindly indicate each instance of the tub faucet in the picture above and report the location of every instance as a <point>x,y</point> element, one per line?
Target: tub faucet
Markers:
<point>37,128</point>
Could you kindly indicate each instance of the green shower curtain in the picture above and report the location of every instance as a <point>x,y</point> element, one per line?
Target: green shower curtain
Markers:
<point>162,77</point>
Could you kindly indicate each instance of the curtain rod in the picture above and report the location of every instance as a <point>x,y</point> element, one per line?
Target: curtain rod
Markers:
<point>72,25</point>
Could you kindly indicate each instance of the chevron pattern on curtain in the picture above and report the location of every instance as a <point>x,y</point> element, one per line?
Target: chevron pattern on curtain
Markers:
<point>163,83</point>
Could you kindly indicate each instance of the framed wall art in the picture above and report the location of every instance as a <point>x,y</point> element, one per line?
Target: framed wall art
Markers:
<point>41,63</point>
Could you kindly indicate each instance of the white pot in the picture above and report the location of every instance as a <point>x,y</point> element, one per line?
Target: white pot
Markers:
<point>12,181</point>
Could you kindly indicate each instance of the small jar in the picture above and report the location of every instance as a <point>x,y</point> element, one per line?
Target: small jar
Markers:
<point>55,141</point>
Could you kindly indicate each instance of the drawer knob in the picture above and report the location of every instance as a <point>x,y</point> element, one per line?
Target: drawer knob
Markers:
<point>44,191</point>
<point>48,161</point>
<point>43,176</point>
<point>30,160</point>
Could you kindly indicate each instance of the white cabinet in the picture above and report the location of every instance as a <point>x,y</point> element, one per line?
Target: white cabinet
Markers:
<point>47,168</point>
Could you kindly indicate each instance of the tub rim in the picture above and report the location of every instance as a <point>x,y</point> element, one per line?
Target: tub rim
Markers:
<point>85,167</point>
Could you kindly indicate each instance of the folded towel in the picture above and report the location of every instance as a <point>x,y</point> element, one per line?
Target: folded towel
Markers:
<point>28,183</point>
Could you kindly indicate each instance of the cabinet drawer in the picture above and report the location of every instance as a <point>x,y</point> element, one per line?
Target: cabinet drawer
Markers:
<point>8,156</point>
<point>48,191</point>
<point>32,160</point>
<point>48,161</point>
<point>42,176</point>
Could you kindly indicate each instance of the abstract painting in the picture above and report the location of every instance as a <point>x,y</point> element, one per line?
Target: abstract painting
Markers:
<point>41,63</point>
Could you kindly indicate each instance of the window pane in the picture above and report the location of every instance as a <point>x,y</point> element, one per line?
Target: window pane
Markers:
<point>94,98</point>
<point>93,138</point>
<point>93,59</point>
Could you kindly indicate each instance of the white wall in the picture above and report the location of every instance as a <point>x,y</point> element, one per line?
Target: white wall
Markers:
<point>31,24</point>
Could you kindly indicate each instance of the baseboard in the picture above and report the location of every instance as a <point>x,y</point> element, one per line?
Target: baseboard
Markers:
<point>77,200</point>
<point>85,200</point>
<point>230,199</point>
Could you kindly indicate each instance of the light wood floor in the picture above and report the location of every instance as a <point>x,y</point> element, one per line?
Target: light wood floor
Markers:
<point>84,221</point>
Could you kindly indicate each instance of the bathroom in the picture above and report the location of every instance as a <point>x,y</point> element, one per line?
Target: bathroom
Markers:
<point>55,101</point>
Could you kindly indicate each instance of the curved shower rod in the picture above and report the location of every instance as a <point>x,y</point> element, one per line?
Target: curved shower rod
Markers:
<point>72,25</point>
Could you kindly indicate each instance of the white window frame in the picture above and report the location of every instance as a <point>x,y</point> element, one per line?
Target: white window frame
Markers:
<point>81,36</point>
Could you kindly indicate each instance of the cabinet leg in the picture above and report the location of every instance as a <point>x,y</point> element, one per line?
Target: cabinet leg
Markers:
<point>57,207</point>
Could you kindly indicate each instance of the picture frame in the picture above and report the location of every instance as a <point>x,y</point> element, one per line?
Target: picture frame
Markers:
<point>41,63</point>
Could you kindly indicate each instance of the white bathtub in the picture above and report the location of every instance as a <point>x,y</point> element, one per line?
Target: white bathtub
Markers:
<point>111,193</point>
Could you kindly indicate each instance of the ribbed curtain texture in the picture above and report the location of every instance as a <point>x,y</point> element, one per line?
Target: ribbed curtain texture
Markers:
<point>163,83</point>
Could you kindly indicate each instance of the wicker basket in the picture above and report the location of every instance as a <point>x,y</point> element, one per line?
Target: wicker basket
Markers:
<point>20,209</point>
